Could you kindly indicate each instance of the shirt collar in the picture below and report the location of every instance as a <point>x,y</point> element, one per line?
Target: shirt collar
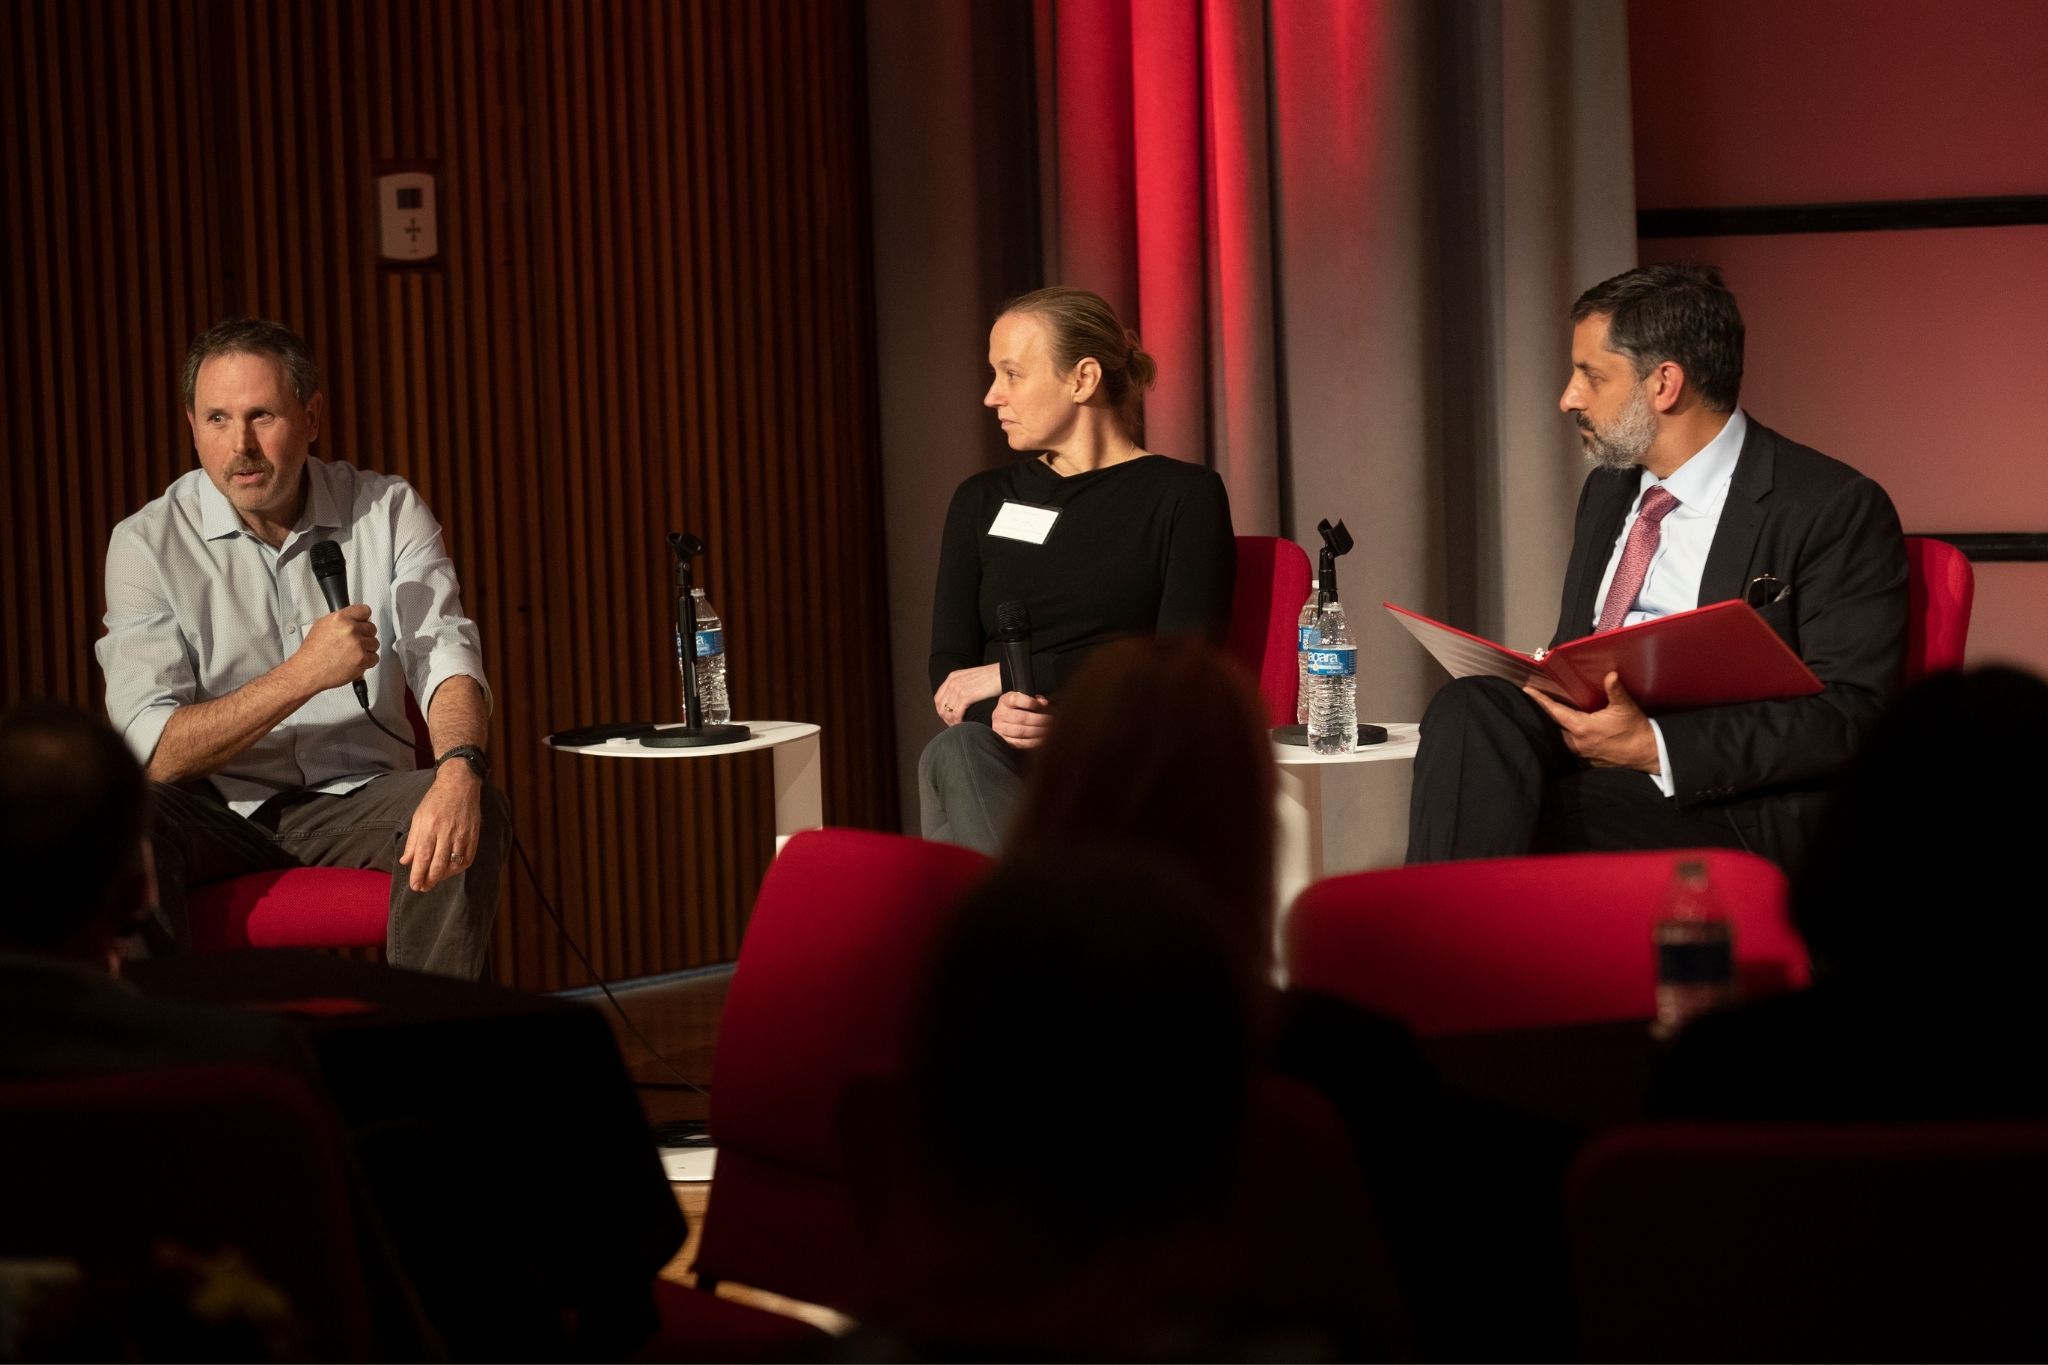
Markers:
<point>322,507</point>
<point>1700,479</point>
<point>218,518</point>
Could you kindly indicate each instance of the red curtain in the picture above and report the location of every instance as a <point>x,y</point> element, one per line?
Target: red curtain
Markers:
<point>1159,169</point>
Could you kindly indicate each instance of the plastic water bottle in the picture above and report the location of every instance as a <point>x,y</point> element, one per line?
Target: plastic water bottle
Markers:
<point>1333,684</point>
<point>1695,950</point>
<point>712,692</point>
<point>1306,638</point>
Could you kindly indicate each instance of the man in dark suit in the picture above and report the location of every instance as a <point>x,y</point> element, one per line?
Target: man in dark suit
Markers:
<point>1690,502</point>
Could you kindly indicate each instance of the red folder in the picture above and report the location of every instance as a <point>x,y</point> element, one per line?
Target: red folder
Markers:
<point>1715,655</point>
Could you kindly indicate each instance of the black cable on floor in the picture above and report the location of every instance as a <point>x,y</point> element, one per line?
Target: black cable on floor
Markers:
<point>603,985</point>
<point>574,946</point>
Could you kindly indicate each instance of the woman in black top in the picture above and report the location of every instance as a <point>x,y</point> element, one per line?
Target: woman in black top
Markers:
<point>1098,538</point>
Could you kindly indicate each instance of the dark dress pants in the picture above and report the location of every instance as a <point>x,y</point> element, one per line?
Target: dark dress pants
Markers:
<point>197,840</point>
<point>1493,779</point>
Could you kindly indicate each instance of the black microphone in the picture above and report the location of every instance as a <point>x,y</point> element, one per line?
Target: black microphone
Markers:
<point>1013,633</point>
<point>332,572</point>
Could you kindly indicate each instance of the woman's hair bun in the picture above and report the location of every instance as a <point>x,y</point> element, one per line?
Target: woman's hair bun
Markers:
<point>1139,366</point>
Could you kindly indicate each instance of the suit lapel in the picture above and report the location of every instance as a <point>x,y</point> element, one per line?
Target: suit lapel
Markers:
<point>1607,504</point>
<point>1742,517</point>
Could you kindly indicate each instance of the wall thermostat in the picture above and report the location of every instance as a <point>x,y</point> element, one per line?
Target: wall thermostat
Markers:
<point>405,210</point>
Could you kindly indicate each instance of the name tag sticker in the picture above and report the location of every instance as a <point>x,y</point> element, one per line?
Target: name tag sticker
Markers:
<point>1022,521</point>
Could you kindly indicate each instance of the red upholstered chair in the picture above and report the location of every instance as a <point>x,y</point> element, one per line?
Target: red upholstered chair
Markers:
<point>1942,587</point>
<point>300,907</point>
<point>1506,943</point>
<point>841,930</point>
<point>1811,1242</point>
<point>97,1169</point>
<point>1272,582</point>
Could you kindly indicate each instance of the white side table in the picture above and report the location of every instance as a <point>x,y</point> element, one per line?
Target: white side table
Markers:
<point>1298,856</point>
<point>799,798</point>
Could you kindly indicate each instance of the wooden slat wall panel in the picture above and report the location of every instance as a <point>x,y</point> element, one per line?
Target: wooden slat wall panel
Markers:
<point>650,311</point>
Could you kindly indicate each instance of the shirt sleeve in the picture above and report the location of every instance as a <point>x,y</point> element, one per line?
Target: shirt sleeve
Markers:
<point>1201,564</point>
<point>1667,785</point>
<point>148,670</point>
<point>433,639</point>
<point>957,639</point>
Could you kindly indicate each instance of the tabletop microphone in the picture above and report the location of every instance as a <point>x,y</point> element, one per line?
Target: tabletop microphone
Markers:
<point>1013,633</point>
<point>332,572</point>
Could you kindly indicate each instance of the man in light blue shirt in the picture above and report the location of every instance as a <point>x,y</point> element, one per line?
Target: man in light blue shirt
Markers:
<point>236,685</point>
<point>1690,501</point>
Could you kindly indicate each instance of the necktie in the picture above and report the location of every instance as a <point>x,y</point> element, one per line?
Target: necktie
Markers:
<point>1635,558</point>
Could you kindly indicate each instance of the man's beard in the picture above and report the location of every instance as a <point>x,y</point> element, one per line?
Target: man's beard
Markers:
<point>1624,443</point>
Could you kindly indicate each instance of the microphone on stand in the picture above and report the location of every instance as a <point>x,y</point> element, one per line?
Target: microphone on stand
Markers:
<point>693,733</point>
<point>330,570</point>
<point>1013,633</point>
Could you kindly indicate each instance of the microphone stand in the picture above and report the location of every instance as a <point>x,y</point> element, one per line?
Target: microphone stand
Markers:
<point>693,733</point>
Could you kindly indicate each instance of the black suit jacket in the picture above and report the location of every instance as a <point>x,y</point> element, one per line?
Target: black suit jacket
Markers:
<point>1830,534</point>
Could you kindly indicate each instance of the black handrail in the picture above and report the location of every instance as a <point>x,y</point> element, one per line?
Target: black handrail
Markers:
<point>1884,215</point>
<point>1988,547</point>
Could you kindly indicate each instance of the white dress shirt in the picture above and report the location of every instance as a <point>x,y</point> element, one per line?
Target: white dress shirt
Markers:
<point>1686,534</point>
<point>198,605</point>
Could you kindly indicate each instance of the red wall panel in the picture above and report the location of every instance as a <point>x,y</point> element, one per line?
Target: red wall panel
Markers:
<point>1820,101</point>
<point>1915,356</point>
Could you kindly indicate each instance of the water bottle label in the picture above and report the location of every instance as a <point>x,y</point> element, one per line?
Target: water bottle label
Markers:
<point>1696,964</point>
<point>1308,636</point>
<point>710,642</point>
<point>1332,661</point>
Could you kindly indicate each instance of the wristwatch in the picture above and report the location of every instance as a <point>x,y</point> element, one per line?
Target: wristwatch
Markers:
<point>476,758</point>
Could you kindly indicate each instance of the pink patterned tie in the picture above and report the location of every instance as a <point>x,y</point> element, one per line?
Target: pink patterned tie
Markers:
<point>1635,558</point>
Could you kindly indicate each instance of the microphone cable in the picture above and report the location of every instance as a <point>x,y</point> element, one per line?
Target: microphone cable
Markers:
<point>408,743</point>
<point>682,1082</point>
<point>534,878</point>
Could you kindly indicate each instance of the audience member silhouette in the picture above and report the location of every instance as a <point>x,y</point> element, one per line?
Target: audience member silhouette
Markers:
<point>74,849</point>
<point>1069,1167</point>
<point>1161,750</point>
<point>75,854</point>
<point>1920,905</point>
<point>1161,759</point>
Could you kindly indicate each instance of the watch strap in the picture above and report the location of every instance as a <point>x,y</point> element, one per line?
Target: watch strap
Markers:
<point>478,761</point>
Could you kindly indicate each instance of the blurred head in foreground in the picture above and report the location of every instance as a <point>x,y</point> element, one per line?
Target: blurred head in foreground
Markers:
<point>73,815</point>
<point>1075,1101</point>
<point>1161,750</point>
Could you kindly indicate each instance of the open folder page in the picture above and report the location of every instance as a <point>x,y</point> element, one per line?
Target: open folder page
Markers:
<point>1710,656</point>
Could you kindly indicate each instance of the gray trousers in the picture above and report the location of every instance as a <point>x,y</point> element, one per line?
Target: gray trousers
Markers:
<point>969,785</point>
<point>197,840</point>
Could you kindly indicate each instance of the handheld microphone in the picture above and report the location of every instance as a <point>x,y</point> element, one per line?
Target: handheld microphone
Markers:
<point>1013,633</point>
<point>331,571</point>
